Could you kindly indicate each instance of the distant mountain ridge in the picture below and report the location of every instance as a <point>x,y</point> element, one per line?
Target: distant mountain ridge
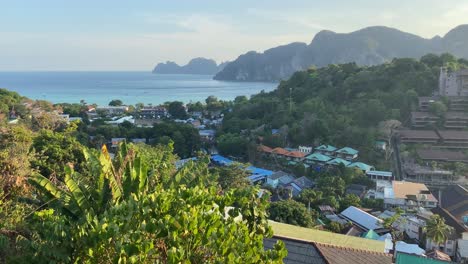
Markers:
<point>368,46</point>
<point>195,66</point>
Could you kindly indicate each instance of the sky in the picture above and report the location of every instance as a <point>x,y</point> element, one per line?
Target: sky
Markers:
<point>91,35</point>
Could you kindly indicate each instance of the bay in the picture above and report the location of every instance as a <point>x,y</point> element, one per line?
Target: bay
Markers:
<point>130,87</point>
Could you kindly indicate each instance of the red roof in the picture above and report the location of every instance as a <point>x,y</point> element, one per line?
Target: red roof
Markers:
<point>265,149</point>
<point>280,151</point>
<point>296,154</point>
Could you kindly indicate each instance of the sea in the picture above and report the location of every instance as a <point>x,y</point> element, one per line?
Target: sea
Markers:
<point>130,87</point>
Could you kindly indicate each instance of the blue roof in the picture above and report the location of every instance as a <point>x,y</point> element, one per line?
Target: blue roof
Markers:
<point>338,161</point>
<point>259,171</point>
<point>318,157</point>
<point>221,160</point>
<point>326,148</point>
<point>361,166</point>
<point>380,173</point>
<point>347,150</point>
<point>274,131</point>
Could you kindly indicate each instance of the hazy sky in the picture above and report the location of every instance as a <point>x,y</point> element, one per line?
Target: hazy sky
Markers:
<point>135,35</point>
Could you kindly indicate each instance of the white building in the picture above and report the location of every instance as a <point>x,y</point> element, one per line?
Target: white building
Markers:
<point>305,149</point>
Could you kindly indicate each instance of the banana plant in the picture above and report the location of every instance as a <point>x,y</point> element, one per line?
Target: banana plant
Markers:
<point>116,181</point>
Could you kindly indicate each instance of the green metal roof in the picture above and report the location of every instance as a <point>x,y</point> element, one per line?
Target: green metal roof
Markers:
<point>338,161</point>
<point>361,166</point>
<point>347,150</point>
<point>314,235</point>
<point>370,235</point>
<point>318,157</point>
<point>326,148</point>
<point>403,258</point>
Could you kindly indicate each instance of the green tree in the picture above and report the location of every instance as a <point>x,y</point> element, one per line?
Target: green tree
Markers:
<point>437,230</point>
<point>291,212</point>
<point>116,102</point>
<point>118,214</point>
<point>177,110</point>
<point>310,197</point>
<point>391,224</point>
<point>232,144</point>
<point>233,176</point>
<point>335,227</point>
<point>350,200</point>
<point>52,151</point>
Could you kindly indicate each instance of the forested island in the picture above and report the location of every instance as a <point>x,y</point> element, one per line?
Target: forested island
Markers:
<point>365,47</point>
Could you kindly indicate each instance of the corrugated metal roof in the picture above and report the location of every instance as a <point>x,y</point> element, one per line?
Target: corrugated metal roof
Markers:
<point>362,218</point>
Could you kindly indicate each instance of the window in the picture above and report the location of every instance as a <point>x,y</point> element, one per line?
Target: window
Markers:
<point>449,242</point>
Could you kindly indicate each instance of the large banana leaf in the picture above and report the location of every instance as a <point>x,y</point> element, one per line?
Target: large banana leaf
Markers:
<point>76,191</point>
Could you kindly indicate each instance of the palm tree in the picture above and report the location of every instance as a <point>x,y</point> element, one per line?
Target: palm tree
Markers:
<point>436,230</point>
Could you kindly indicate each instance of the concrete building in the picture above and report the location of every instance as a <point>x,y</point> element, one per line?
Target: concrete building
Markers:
<point>453,83</point>
<point>408,195</point>
<point>441,155</point>
<point>305,149</point>
<point>418,136</point>
<point>112,110</point>
<point>380,175</point>
<point>427,175</point>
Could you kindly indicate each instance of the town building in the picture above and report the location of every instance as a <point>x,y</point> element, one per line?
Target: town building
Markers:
<point>327,150</point>
<point>453,83</point>
<point>380,175</point>
<point>347,153</point>
<point>441,155</point>
<point>427,175</point>
<point>305,149</point>
<point>279,178</point>
<point>361,166</point>
<point>207,134</point>
<point>454,199</point>
<point>333,248</point>
<point>363,220</point>
<point>112,110</point>
<point>418,136</point>
<point>300,184</point>
<point>408,195</point>
<point>153,112</point>
<point>316,158</point>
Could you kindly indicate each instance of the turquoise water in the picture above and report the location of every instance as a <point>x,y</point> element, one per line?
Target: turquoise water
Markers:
<point>130,87</point>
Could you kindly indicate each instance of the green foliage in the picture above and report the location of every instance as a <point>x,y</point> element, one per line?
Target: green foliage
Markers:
<point>177,110</point>
<point>373,203</point>
<point>437,230</point>
<point>291,212</point>
<point>139,209</point>
<point>335,227</point>
<point>233,176</point>
<point>116,102</point>
<point>53,151</point>
<point>341,104</point>
<point>232,144</point>
<point>350,200</point>
<point>311,198</point>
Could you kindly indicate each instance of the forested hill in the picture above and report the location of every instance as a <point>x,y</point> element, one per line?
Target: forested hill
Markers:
<point>338,104</point>
<point>195,66</point>
<point>368,46</point>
